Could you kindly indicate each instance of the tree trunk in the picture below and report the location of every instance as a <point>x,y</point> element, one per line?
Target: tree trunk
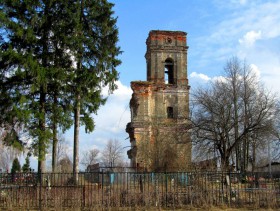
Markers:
<point>43,89</point>
<point>76,138</point>
<point>225,162</point>
<point>236,126</point>
<point>41,136</point>
<point>254,155</point>
<point>77,108</point>
<point>54,148</point>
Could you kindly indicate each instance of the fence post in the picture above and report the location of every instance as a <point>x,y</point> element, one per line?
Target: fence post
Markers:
<point>102,183</point>
<point>40,190</point>
<point>166,191</point>
<point>230,193</point>
<point>84,197</point>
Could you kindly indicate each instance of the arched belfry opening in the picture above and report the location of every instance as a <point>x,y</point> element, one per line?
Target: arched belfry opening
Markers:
<point>160,106</point>
<point>169,71</point>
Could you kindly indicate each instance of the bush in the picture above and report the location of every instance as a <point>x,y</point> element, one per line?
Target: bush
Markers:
<point>16,166</point>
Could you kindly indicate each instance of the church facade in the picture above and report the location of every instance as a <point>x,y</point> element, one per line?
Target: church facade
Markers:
<point>159,130</point>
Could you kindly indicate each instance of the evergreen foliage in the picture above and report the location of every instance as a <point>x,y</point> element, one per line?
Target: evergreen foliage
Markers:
<point>26,165</point>
<point>56,56</point>
<point>95,52</point>
<point>16,166</point>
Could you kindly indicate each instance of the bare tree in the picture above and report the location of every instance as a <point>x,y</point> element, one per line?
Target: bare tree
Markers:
<point>276,137</point>
<point>166,147</point>
<point>63,148</point>
<point>90,157</point>
<point>61,151</point>
<point>7,155</point>
<point>232,114</point>
<point>10,147</point>
<point>112,155</point>
<point>65,165</point>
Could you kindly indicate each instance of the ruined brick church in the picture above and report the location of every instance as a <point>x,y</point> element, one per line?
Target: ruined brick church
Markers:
<point>159,130</point>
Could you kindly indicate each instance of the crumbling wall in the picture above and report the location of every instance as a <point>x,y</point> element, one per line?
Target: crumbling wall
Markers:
<point>159,111</point>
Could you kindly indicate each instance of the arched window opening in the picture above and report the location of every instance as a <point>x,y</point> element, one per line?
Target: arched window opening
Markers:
<point>169,72</point>
<point>170,114</point>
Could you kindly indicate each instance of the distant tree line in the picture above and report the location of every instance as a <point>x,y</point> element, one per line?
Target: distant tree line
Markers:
<point>110,156</point>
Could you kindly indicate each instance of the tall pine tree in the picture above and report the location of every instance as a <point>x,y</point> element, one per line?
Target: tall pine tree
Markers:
<point>95,51</point>
<point>56,56</point>
<point>24,64</point>
<point>32,65</point>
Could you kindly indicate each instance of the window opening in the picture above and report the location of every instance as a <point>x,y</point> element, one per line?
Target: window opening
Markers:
<point>168,72</point>
<point>170,112</point>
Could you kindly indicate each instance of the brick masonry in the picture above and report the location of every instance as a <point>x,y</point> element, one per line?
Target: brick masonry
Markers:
<point>159,107</point>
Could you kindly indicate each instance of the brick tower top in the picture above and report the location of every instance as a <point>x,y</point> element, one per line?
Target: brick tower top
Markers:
<point>166,38</point>
<point>166,57</point>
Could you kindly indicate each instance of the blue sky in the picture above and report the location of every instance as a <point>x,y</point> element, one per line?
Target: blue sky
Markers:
<point>217,30</point>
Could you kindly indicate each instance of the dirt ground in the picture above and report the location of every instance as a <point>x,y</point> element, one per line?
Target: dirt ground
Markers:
<point>152,209</point>
<point>222,209</point>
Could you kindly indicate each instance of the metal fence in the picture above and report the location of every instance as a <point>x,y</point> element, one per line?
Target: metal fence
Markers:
<point>137,189</point>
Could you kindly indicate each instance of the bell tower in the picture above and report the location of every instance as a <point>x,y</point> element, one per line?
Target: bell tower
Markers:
<point>159,127</point>
<point>166,58</point>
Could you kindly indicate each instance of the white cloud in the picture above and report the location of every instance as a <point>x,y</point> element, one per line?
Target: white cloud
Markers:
<point>242,2</point>
<point>237,2</point>
<point>232,4</point>
<point>250,38</point>
<point>270,74</point>
<point>110,121</point>
<point>219,78</point>
<point>251,23</point>
<point>116,113</point>
<point>256,70</point>
<point>251,32</point>
<point>200,79</point>
<point>199,76</point>
<point>121,92</point>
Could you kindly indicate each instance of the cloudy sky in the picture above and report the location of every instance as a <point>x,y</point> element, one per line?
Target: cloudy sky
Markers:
<point>217,30</point>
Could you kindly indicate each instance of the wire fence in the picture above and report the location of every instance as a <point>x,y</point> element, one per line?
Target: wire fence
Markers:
<point>107,189</point>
